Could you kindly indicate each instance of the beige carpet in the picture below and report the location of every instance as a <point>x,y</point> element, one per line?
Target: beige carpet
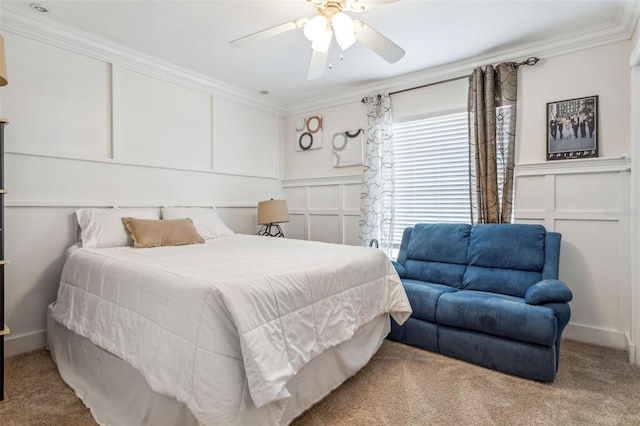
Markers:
<point>400,386</point>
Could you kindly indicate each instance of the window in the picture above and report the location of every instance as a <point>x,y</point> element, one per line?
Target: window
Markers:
<point>431,171</point>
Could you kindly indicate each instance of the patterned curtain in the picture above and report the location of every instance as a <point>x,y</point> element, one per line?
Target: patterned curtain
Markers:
<point>492,124</point>
<point>377,198</point>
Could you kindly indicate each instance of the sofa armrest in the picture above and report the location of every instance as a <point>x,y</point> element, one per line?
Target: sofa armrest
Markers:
<point>399,269</point>
<point>548,291</point>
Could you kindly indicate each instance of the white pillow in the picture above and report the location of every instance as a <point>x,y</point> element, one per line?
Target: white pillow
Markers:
<point>104,228</point>
<point>206,220</point>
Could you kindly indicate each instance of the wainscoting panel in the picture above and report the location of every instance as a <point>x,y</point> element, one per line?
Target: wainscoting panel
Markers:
<point>68,104</point>
<point>351,198</point>
<point>351,228</point>
<point>58,102</point>
<point>324,209</point>
<point>242,220</point>
<point>528,193</point>
<point>161,123</point>
<point>245,140</point>
<point>324,197</point>
<point>587,201</point>
<point>296,227</point>
<point>589,265</point>
<point>296,199</point>
<point>324,228</point>
<point>597,192</point>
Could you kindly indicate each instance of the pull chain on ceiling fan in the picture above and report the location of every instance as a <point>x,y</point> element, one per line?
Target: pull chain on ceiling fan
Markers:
<point>333,21</point>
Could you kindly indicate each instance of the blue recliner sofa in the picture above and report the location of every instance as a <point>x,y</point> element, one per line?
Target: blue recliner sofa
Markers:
<point>485,293</point>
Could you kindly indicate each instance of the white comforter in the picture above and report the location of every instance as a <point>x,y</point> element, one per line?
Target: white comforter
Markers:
<point>192,318</point>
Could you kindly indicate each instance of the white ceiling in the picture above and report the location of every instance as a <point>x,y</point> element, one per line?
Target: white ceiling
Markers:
<point>196,35</point>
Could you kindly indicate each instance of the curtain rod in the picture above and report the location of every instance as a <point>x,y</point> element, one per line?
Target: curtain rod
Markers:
<point>530,62</point>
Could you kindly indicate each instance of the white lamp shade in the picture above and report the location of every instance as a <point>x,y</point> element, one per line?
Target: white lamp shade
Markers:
<point>3,64</point>
<point>322,43</point>
<point>272,211</point>
<point>344,29</point>
<point>315,28</point>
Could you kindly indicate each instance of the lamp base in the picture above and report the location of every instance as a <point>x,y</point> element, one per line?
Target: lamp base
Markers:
<point>271,230</point>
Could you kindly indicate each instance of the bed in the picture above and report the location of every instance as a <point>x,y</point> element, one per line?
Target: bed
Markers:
<point>238,330</point>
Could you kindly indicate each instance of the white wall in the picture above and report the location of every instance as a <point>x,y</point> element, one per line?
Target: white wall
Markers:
<point>602,71</point>
<point>634,212</point>
<point>585,200</point>
<point>323,209</point>
<point>90,132</point>
<point>317,163</point>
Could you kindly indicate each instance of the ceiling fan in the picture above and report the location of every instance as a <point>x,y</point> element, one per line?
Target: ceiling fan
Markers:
<point>320,30</point>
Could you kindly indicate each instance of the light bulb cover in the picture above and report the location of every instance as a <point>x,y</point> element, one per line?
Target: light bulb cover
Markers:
<point>322,43</point>
<point>315,28</point>
<point>343,26</point>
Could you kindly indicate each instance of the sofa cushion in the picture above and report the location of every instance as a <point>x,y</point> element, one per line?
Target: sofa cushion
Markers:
<point>437,253</point>
<point>439,242</point>
<point>505,259</point>
<point>513,246</point>
<point>448,274</point>
<point>501,281</point>
<point>500,315</point>
<point>423,297</point>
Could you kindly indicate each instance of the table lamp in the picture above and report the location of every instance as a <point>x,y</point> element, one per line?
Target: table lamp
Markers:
<point>270,214</point>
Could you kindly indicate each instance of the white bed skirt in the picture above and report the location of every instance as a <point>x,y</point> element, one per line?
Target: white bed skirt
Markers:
<point>117,394</point>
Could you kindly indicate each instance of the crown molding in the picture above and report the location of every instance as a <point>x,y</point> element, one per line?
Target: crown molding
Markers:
<point>35,27</point>
<point>635,53</point>
<point>620,30</point>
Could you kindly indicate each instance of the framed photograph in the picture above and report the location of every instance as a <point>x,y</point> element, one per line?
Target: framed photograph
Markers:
<point>572,128</point>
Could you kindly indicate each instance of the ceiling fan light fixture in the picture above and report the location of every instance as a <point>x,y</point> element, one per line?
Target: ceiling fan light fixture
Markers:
<point>345,32</point>
<point>320,29</point>
<point>315,28</point>
<point>322,43</point>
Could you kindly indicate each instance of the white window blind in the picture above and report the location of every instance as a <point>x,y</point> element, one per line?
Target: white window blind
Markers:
<point>431,171</point>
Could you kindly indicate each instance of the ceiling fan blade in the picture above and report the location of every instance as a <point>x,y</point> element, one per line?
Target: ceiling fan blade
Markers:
<point>317,65</point>
<point>269,32</point>
<point>361,6</point>
<point>375,41</point>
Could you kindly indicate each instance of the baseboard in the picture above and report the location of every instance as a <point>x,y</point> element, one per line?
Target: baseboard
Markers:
<point>14,345</point>
<point>597,336</point>
<point>631,350</point>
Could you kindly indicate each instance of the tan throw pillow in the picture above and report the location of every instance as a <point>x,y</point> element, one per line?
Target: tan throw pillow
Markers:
<point>153,233</point>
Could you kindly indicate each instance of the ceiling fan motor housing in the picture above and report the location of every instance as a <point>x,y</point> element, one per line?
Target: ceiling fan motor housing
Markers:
<point>330,18</point>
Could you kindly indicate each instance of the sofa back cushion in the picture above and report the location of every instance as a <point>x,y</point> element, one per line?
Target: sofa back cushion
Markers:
<point>437,253</point>
<point>505,258</point>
